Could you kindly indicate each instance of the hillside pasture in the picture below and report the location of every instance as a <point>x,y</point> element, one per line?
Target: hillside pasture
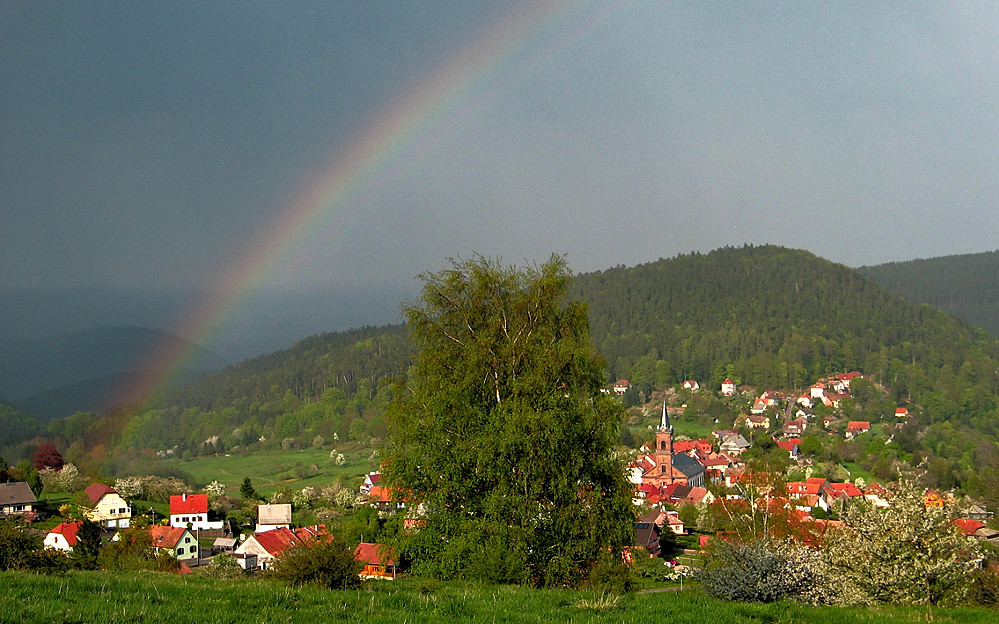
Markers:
<point>270,470</point>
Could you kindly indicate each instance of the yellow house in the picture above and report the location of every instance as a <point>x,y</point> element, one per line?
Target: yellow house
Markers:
<point>107,507</point>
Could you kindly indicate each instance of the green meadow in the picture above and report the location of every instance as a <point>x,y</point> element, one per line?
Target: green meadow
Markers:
<point>152,598</point>
<point>270,470</point>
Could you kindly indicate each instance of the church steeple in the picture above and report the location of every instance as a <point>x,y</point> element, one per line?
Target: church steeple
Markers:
<point>664,439</point>
<point>664,424</point>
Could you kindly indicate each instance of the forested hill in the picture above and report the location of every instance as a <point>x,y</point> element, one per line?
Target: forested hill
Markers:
<point>966,285</point>
<point>766,316</point>
<point>769,316</point>
<point>341,360</point>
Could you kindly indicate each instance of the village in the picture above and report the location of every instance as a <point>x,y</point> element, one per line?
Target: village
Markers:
<point>671,474</point>
<point>675,481</point>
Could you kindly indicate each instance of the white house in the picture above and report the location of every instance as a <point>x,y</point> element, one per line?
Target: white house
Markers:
<point>107,507</point>
<point>191,511</point>
<point>728,387</point>
<point>63,536</point>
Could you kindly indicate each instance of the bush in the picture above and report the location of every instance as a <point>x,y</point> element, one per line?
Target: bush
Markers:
<point>223,567</point>
<point>764,570</point>
<point>612,578</point>
<point>325,562</point>
<point>984,585</point>
<point>20,549</point>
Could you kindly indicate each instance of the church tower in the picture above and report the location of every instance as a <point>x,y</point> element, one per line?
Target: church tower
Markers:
<point>664,445</point>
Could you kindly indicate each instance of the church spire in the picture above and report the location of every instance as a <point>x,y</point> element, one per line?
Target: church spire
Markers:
<point>664,424</point>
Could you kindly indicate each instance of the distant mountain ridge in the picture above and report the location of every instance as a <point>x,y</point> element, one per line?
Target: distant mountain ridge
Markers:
<point>966,285</point>
<point>58,375</point>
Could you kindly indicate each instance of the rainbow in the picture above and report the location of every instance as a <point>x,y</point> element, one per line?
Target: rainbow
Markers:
<point>383,150</point>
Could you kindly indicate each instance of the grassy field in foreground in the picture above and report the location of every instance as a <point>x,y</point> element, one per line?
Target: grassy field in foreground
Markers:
<point>153,598</point>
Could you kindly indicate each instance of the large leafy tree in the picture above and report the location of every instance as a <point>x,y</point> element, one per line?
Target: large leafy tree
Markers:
<point>501,433</point>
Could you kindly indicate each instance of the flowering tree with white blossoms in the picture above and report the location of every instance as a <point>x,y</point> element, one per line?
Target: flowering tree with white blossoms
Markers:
<point>908,552</point>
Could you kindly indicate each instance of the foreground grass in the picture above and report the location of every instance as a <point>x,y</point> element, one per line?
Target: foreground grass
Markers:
<point>152,598</point>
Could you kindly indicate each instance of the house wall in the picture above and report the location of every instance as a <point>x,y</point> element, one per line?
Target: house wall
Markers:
<point>186,548</point>
<point>55,541</point>
<point>252,547</point>
<point>112,510</point>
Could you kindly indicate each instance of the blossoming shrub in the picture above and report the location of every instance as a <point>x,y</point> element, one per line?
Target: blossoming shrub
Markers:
<point>764,570</point>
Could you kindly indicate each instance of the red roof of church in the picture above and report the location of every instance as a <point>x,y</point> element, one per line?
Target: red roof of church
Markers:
<point>189,504</point>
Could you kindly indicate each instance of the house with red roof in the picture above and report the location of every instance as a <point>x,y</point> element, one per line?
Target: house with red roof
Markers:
<point>694,448</point>
<point>671,520</point>
<point>176,541</point>
<point>698,495</point>
<point>856,427</point>
<point>795,427</point>
<point>841,493</point>
<point>791,446</point>
<point>63,536</point>
<point>107,507</point>
<point>968,527</point>
<point>191,511</point>
<point>814,486</point>
<point>901,412</point>
<point>621,386</point>
<point>270,544</point>
<point>370,480</point>
<point>377,559</point>
<point>690,384</point>
<point>718,463</point>
<point>818,390</point>
<point>728,387</point>
<point>647,494</point>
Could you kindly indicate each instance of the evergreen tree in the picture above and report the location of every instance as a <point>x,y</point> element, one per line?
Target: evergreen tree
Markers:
<point>502,433</point>
<point>88,545</point>
<point>246,490</point>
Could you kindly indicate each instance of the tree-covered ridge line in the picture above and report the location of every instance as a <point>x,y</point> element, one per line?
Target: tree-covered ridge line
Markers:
<point>777,318</point>
<point>766,316</point>
<point>966,285</point>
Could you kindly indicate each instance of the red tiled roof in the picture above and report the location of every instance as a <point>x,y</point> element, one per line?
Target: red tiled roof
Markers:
<point>276,541</point>
<point>166,536</point>
<point>967,526</point>
<point>858,425</point>
<point>367,552</point>
<point>96,491</point>
<point>68,530</point>
<point>189,504</point>
<point>847,489</point>
<point>799,487</point>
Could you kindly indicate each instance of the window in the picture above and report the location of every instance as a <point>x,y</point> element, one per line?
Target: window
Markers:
<point>180,551</point>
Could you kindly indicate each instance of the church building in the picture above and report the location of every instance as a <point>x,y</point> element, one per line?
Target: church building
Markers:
<point>664,467</point>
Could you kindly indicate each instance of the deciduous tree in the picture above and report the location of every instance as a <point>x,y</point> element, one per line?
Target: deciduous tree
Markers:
<point>501,431</point>
<point>906,553</point>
